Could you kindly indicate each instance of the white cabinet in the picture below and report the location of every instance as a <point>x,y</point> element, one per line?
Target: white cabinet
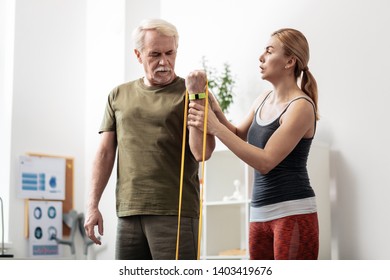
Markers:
<point>226,206</point>
<point>227,192</point>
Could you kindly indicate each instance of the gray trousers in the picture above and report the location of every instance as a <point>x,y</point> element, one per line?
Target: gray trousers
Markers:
<point>149,237</point>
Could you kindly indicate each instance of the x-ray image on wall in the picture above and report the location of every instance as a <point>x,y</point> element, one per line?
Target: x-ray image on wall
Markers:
<point>45,221</point>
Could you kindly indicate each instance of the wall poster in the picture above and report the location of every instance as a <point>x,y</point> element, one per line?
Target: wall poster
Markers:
<point>41,177</point>
<point>44,222</point>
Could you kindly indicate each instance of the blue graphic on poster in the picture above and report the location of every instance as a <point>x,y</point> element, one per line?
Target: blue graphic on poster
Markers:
<point>41,177</point>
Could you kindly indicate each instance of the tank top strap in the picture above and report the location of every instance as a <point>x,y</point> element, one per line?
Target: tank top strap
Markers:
<point>295,99</point>
<point>308,100</point>
<point>262,102</point>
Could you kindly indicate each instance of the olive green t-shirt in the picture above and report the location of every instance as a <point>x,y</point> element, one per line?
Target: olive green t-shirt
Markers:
<point>148,122</point>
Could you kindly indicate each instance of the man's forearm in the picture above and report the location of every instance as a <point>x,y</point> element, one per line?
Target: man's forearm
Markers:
<point>196,144</point>
<point>102,169</point>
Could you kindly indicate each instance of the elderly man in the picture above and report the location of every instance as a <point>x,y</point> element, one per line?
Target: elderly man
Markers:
<point>143,120</point>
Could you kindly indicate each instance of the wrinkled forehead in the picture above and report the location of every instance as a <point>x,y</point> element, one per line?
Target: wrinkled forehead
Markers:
<point>156,41</point>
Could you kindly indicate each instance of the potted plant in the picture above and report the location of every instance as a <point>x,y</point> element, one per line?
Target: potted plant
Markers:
<point>220,84</point>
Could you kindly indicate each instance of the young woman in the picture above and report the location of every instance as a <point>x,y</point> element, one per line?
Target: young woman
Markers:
<point>275,139</point>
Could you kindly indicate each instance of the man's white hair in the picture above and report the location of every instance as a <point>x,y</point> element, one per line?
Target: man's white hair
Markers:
<point>160,25</point>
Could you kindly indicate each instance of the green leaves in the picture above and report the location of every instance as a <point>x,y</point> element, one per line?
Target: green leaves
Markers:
<point>221,84</point>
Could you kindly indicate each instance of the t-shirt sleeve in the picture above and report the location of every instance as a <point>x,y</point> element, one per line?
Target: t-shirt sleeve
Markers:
<point>109,122</point>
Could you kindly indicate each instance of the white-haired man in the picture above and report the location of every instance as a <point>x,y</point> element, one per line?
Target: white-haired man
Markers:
<point>143,125</point>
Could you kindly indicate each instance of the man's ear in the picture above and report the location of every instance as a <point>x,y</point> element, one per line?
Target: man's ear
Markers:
<point>138,55</point>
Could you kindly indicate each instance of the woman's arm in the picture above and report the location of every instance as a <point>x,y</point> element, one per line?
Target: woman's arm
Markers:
<point>297,120</point>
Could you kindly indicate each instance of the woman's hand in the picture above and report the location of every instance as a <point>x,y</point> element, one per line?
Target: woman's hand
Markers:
<point>196,83</point>
<point>196,116</point>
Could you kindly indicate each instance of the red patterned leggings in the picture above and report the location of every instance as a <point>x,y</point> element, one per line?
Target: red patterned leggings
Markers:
<point>288,238</point>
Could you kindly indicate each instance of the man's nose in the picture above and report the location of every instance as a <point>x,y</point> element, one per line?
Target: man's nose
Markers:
<point>163,60</point>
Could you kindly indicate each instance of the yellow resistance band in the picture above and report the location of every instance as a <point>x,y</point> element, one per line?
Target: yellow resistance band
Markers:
<point>201,180</point>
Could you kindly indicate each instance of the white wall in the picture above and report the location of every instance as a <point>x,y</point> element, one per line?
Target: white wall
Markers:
<point>48,108</point>
<point>62,77</point>
<point>6,78</point>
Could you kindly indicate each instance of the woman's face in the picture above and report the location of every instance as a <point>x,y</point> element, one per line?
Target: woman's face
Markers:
<point>273,61</point>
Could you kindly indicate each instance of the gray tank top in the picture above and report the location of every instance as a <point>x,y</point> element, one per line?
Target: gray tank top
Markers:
<point>289,180</point>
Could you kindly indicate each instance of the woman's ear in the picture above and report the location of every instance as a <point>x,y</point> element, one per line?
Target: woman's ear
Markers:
<point>291,62</point>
